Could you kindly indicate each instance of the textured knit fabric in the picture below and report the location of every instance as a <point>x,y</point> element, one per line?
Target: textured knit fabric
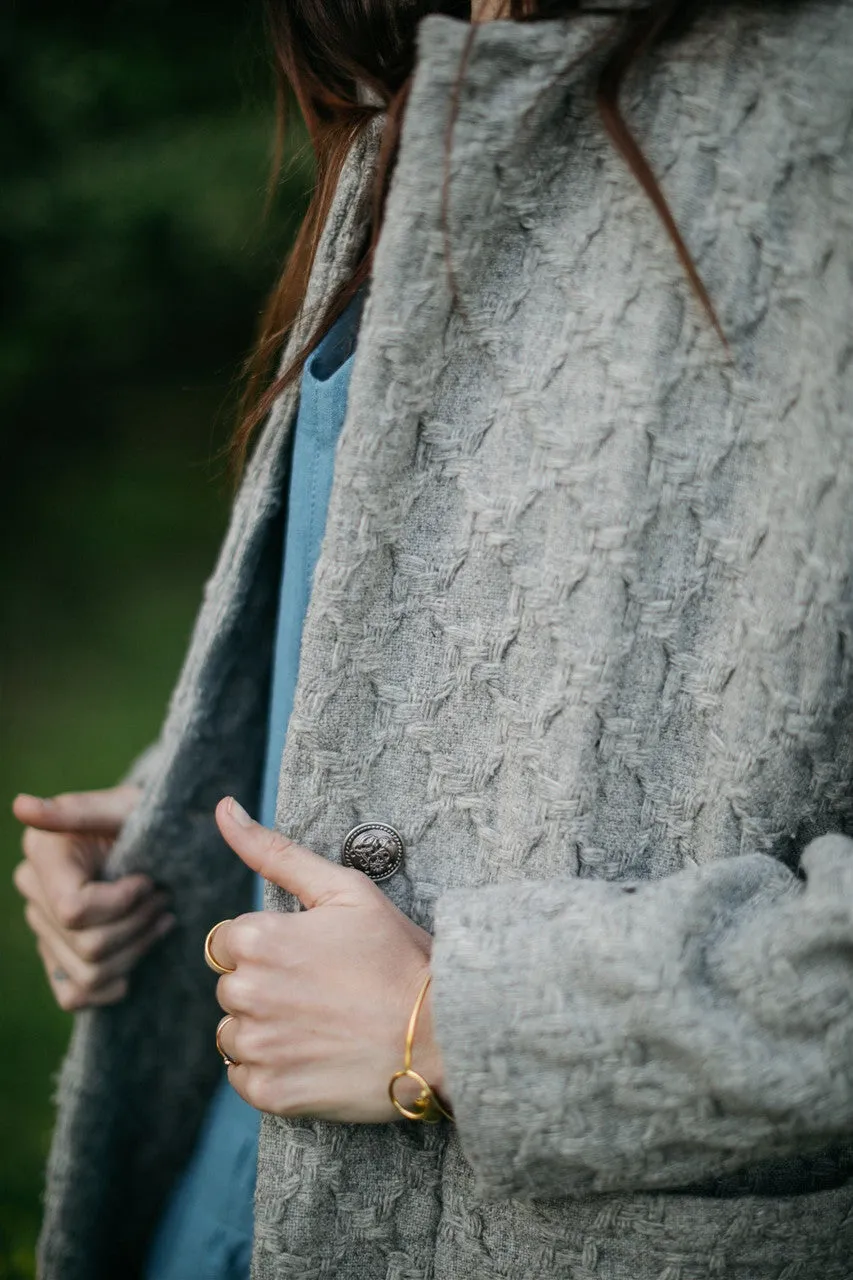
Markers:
<point>581,629</point>
<point>206,1230</point>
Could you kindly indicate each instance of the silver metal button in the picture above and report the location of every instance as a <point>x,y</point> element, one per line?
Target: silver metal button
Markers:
<point>374,848</point>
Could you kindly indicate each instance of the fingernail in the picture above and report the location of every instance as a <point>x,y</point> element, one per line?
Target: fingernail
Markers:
<point>164,925</point>
<point>238,813</point>
<point>25,795</point>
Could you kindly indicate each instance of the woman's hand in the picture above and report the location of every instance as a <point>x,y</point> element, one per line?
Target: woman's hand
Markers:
<point>90,932</point>
<point>321,998</point>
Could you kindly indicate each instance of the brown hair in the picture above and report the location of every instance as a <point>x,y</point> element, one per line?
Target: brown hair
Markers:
<point>326,53</point>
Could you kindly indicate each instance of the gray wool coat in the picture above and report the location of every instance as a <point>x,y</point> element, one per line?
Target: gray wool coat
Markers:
<point>582,629</point>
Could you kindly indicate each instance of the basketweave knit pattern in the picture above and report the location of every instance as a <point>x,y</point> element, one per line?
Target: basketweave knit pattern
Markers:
<point>581,622</point>
<point>573,619</point>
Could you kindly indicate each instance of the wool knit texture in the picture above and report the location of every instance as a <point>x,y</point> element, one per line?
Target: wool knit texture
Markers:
<point>581,630</point>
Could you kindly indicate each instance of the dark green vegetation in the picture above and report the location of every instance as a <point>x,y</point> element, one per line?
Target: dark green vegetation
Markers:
<point>133,260</point>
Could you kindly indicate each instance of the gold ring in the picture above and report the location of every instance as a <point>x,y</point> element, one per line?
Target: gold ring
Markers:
<point>210,958</point>
<point>223,1022</point>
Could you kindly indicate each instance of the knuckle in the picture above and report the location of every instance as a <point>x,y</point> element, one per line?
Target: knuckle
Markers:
<point>115,995</point>
<point>69,911</point>
<point>22,878</point>
<point>230,992</point>
<point>90,945</point>
<point>249,1042</point>
<point>245,939</point>
<point>70,801</point>
<point>358,884</point>
<point>30,841</point>
<point>224,992</point>
<point>260,1091</point>
<point>274,842</point>
<point>90,978</point>
<point>266,925</point>
<point>273,847</point>
<point>109,993</point>
<point>68,997</point>
<point>241,993</point>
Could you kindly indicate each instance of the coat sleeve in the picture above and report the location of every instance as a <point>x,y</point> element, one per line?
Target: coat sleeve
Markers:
<point>603,1037</point>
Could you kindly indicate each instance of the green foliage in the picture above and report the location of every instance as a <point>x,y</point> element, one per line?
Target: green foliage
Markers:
<point>134,166</point>
<point>134,258</point>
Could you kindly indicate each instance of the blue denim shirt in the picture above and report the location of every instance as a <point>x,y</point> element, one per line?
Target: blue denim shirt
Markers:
<point>206,1230</point>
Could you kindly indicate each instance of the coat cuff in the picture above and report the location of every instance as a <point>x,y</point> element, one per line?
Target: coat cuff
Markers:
<point>601,1037</point>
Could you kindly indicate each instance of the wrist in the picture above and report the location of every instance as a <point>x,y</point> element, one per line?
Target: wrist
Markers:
<point>423,1099</point>
<point>426,1055</point>
<point>425,1051</point>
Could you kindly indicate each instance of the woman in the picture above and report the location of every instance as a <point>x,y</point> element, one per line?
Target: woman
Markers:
<point>577,657</point>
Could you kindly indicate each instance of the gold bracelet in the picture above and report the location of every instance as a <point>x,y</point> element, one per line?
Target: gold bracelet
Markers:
<point>426,1106</point>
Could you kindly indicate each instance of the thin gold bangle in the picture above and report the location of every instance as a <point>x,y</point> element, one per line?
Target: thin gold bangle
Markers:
<point>427,1106</point>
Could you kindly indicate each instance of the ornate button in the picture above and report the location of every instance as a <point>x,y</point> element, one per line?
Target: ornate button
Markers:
<point>374,848</point>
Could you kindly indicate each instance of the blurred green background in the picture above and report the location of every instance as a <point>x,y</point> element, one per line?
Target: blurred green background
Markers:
<point>135,256</point>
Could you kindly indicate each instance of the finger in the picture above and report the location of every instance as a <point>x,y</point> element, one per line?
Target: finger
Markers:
<point>127,957</point>
<point>92,812</point>
<point>110,994</point>
<point>313,879</point>
<point>245,940</point>
<point>68,872</point>
<point>103,902</point>
<point>126,904</point>
<point>99,942</point>
<point>25,880</point>
<point>78,971</point>
<point>67,994</point>
<point>261,1088</point>
<point>89,976</point>
<point>95,902</point>
<point>250,990</point>
<point>255,1086</point>
<point>65,990</point>
<point>238,1078</point>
